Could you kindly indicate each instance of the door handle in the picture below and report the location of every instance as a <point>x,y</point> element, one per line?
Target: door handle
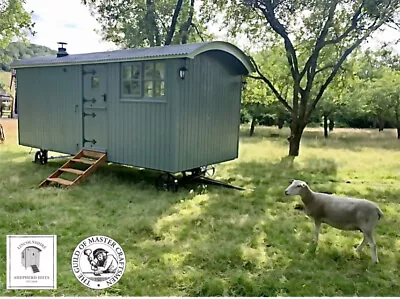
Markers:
<point>105,97</point>
<point>76,108</point>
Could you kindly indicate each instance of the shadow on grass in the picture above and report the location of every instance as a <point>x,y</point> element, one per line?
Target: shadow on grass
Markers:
<point>238,243</point>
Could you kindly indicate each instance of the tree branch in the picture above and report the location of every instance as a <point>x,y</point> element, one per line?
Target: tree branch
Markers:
<point>268,12</point>
<point>197,31</point>
<point>353,25</point>
<point>270,85</point>
<point>320,40</point>
<point>174,21</point>
<point>337,67</point>
<point>185,27</point>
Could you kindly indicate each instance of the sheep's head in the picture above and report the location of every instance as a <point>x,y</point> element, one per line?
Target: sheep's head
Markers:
<point>296,187</point>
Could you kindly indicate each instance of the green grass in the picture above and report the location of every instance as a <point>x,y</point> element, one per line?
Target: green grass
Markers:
<point>218,242</point>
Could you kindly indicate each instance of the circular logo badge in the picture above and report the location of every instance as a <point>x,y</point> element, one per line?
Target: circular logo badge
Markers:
<point>98,262</point>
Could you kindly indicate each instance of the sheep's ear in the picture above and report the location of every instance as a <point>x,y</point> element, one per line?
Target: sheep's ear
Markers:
<point>291,181</point>
<point>303,184</point>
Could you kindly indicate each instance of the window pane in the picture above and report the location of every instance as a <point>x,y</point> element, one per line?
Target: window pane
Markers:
<point>126,73</point>
<point>148,88</point>
<point>126,88</point>
<point>159,88</point>
<point>95,82</point>
<point>136,71</point>
<point>159,71</point>
<point>148,70</point>
<point>136,88</point>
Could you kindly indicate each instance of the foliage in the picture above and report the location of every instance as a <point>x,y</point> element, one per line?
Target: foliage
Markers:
<point>220,242</point>
<point>137,23</point>
<point>373,91</point>
<point>15,21</point>
<point>20,50</point>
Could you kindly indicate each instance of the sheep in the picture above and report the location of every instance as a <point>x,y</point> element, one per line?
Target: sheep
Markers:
<point>339,212</point>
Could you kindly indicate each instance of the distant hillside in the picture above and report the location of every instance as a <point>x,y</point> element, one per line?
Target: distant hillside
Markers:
<point>20,50</point>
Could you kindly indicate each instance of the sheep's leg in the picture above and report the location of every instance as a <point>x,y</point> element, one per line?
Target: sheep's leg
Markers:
<point>362,244</point>
<point>372,244</point>
<point>317,229</point>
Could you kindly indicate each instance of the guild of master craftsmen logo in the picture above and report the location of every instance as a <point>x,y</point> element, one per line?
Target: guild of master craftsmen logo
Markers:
<point>31,262</point>
<point>98,262</point>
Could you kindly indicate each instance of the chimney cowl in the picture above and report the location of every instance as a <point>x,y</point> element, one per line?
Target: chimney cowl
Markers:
<point>61,50</point>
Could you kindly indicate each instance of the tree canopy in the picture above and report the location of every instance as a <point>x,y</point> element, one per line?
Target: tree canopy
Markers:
<point>15,21</point>
<point>137,23</point>
<point>316,37</point>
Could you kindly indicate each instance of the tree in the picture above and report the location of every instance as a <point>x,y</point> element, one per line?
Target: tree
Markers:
<point>138,23</point>
<point>15,22</point>
<point>316,37</point>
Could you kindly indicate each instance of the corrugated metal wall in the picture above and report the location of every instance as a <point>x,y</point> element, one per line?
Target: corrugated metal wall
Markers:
<point>48,117</point>
<point>140,130</point>
<point>208,113</point>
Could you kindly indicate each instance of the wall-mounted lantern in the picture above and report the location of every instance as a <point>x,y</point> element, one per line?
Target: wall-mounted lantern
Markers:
<point>182,72</point>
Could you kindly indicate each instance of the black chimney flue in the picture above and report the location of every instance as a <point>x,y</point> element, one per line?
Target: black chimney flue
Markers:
<point>61,50</point>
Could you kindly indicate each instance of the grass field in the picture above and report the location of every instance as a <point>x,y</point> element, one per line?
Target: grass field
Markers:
<point>218,241</point>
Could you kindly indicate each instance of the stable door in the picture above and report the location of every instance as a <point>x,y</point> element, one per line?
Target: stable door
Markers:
<point>94,107</point>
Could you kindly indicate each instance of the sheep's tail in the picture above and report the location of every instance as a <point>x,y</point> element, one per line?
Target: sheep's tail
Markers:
<point>380,213</point>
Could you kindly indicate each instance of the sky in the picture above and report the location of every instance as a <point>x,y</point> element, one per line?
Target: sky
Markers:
<point>72,23</point>
<point>65,21</point>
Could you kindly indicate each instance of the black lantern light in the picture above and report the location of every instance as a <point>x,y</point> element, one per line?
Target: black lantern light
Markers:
<point>182,72</point>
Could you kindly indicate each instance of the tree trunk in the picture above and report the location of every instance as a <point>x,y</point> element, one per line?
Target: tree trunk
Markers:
<point>280,123</point>
<point>398,132</point>
<point>296,131</point>
<point>325,126</point>
<point>252,126</point>
<point>381,123</point>
<point>331,124</point>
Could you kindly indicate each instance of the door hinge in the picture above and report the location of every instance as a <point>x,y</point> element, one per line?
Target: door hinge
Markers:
<point>92,100</point>
<point>89,141</point>
<point>89,114</point>
<point>88,72</point>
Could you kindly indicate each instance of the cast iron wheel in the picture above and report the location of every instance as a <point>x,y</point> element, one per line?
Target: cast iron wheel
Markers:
<point>45,156</point>
<point>208,170</point>
<point>167,182</point>
<point>41,157</point>
<point>38,157</point>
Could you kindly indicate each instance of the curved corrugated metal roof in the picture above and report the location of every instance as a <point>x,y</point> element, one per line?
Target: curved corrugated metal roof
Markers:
<point>164,52</point>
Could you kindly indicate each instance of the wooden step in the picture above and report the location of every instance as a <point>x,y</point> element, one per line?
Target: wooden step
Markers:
<point>72,170</point>
<point>84,161</point>
<point>92,154</point>
<point>92,158</point>
<point>60,181</point>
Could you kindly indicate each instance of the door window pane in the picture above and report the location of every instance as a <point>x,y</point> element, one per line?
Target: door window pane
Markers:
<point>95,82</point>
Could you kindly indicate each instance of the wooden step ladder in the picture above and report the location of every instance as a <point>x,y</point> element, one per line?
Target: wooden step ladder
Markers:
<point>89,158</point>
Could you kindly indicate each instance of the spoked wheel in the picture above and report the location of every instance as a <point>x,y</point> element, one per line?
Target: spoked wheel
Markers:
<point>167,182</point>
<point>208,170</point>
<point>41,157</point>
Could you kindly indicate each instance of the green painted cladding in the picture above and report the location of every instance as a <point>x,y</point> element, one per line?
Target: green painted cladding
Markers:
<point>140,131</point>
<point>49,114</point>
<point>196,123</point>
<point>208,113</point>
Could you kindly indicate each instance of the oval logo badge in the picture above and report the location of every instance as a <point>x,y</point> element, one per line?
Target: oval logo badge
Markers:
<point>98,262</point>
